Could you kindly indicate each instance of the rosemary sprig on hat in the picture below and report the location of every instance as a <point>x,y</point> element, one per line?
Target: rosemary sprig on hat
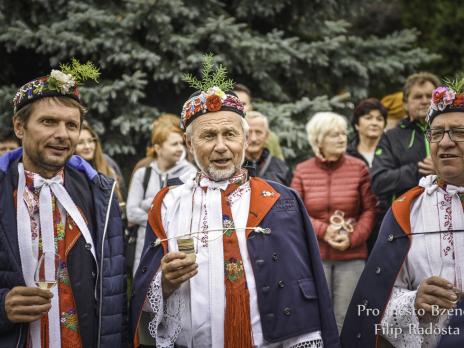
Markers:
<point>211,76</point>
<point>456,84</point>
<point>69,75</point>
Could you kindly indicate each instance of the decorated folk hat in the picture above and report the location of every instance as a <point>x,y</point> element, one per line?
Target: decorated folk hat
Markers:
<point>213,93</point>
<point>60,83</point>
<point>448,98</point>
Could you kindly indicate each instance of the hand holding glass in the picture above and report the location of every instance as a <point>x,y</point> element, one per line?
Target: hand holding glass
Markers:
<point>451,277</point>
<point>47,271</point>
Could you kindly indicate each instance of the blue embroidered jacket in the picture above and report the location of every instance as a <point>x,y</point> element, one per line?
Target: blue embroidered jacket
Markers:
<point>293,296</point>
<point>99,289</point>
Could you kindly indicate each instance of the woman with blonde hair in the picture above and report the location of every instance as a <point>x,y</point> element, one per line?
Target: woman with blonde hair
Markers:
<point>89,148</point>
<point>336,191</point>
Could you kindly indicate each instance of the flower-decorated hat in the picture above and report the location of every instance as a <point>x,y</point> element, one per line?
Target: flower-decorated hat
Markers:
<point>448,98</point>
<point>213,93</point>
<point>60,83</point>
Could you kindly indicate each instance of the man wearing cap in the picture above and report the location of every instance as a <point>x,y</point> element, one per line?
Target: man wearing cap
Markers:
<point>408,291</point>
<point>55,207</point>
<point>251,275</point>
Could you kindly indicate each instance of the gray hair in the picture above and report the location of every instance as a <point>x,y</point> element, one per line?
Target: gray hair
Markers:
<point>256,114</point>
<point>320,125</point>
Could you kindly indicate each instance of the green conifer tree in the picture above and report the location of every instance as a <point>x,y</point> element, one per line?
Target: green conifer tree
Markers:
<point>297,57</point>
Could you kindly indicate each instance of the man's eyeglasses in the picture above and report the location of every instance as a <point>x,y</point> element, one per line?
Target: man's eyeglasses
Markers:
<point>86,142</point>
<point>436,135</point>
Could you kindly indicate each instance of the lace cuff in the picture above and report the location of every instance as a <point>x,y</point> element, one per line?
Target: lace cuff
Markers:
<point>400,319</point>
<point>167,321</point>
<point>310,340</point>
<point>308,344</point>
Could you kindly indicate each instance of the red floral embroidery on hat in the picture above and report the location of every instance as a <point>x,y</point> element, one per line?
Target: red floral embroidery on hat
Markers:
<point>213,103</point>
<point>459,100</point>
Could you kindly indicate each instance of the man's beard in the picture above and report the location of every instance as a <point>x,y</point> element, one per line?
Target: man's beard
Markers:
<point>220,174</point>
<point>40,160</point>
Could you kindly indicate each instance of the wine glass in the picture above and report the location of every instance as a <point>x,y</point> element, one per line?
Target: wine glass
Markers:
<point>47,271</point>
<point>450,275</point>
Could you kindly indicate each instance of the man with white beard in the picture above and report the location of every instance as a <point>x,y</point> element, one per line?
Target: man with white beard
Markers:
<point>230,260</point>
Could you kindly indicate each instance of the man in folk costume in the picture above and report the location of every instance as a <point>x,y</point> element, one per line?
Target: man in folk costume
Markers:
<point>409,293</point>
<point>255,278</point>
<point>53,203</point>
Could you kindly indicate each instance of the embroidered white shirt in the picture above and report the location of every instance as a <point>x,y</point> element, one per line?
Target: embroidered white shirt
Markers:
<point>184,318</point>
<point>429,255</point>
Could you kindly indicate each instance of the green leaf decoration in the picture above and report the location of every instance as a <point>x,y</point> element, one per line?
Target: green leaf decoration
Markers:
<point>81,72</point>
<point>456,84</point>
<point>52,84</point>
<point>211,76</point>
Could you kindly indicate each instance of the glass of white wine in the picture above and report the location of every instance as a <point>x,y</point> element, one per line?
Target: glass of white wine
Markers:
<point>449,274</point>
<point>47,271</point>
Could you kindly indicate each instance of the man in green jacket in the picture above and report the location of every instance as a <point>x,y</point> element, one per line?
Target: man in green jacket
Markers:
<point>403,154</point>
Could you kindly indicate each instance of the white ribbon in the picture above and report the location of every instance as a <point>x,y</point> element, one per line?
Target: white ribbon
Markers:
<point>430,200</point>
<point>429,183</point>
<point>29,253</point>
<point>179,220</point>
<point>216,252</point>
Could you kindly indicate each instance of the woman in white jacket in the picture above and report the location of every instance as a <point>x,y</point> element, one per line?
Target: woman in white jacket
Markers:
<point>168,152</point>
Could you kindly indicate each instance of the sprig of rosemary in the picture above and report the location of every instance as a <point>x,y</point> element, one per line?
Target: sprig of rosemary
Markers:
<point>211,76</point>
<point>456,84</point>
<point>81,72</point>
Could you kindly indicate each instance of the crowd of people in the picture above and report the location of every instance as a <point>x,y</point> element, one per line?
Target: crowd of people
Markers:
<point>224,244</point>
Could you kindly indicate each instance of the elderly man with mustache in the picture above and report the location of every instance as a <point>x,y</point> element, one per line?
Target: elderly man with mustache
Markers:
<point>230,260</point>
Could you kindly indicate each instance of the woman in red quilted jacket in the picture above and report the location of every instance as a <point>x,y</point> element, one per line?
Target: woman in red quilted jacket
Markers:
<point>336,191</point>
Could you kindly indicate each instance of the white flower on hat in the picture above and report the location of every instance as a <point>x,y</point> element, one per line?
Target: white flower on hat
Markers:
<point>215,90</point>
<point>65,81</point>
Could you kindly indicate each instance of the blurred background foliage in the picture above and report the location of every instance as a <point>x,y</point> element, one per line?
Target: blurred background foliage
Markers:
<point>297,57</point>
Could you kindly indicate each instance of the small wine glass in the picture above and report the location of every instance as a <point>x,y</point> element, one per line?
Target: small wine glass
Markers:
<point>47,271</point>
<point>451,277</point>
